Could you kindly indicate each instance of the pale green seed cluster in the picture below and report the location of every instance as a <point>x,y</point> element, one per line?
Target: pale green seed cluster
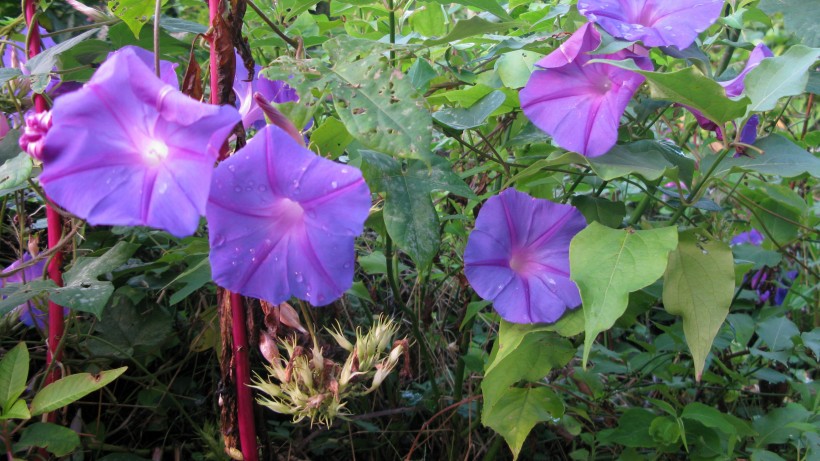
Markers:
<point>305,384</point>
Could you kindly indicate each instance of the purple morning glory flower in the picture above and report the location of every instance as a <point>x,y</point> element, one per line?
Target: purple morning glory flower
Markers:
<point>580,105</point>
<point>130,149</point>
<point>245,85</point>
<point>654,22</point>
<point>752,237</point>
<point>518,257</point>
<point>30,315</point>
<point>735,86</point>
<point>282,221</point>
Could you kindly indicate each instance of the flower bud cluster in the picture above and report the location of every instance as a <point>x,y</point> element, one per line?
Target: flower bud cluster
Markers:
<point>307,384</point>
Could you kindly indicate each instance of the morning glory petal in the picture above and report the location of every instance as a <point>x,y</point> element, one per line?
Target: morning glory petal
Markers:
<point>282,221</point>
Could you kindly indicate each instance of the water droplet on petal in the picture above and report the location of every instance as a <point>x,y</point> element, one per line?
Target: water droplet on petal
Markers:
<point>334,184</point>
<point>320,298</point>
<point>261,188</point>
<point>299,278</point>
<point>346,266</point>
<point>237,189</point>
<point>219,240</point>
<point>232,168</point>
<point>344,170</point>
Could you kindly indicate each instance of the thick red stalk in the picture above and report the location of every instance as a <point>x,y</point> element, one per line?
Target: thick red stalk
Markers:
<point>242,377</point>
<point>56,321</point>
<point>242,371</point>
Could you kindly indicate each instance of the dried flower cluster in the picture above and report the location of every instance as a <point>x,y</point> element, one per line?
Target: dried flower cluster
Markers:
<point>307,384</point>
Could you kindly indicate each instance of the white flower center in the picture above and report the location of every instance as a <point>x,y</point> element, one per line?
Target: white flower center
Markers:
<point>156,150</point>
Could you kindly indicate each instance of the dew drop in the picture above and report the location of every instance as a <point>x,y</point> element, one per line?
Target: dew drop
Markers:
<point>346,266</point>
<point>237,189</point>
<point>299,277</point>
<point>320,298</point>
<point>219,240</point>
<point>344,170</point>
<point>232,168</point>
<point>252,250</point>
<point>334,184</point>
<point>261,188</point>
<point>667,28</point>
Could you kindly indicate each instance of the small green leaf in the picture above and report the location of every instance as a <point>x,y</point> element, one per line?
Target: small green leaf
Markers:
<point>514,68</point>
<point>710,417</point>
<point>17,294</point>
<point>665,430</point>
<point>778,77</point>
<point>420,73</point>
<point>194,278</point>
<point>490,6</point>
<point>18,410</point>
<point>522,352</point>
<point>8,73</point>
<point>135,13</point>
<point>70,389</point>
<point>698,285</point>
<point>632,430</point>
<point>56,439</point>
<point>777,332</point>
<point>83,291</point>
<point>606,212</point>
<point>330,139</point>
<point>517,412</point>
<point>474,116</point>
<point>608,264</point>
<point>45,61</point>
<point>14,173</point>
<point>429,20</point>
<point>470,27</point>
<point>13,376</point>
<point>10,146</point>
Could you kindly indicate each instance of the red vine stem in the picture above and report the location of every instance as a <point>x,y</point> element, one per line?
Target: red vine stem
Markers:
<point>56,320</point>
<point>242,375</point>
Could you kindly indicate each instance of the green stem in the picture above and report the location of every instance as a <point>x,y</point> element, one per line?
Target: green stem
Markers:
<point>392,19</point>
<point>575,184</point>
<point>391,275</point>
<point>698,187</point>
<point>644,203</point>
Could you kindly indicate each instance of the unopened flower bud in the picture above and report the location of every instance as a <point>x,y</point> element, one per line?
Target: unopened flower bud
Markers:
<point>34,133</point>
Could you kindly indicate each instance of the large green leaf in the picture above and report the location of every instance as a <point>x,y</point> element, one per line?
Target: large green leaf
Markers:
<point>691,88</point>
<point>802,18</point>
<point>14,173</point>
<point>135,13</point>
<point>70,389</point>
<point>378,105</point>
<point>778,77</point>
<point>83,291</point>
<point>606,212</point>
<point>650,159</point>
<point>472,117</point>
<point>514,68</point>
<point>522,352</point>
<point>409,215</point>
<point>698,285</point>
<point>780,157</point>
<point>608,264</point>
<point>517,412</point>
<point>13,376</point>
<point>56,439</point>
